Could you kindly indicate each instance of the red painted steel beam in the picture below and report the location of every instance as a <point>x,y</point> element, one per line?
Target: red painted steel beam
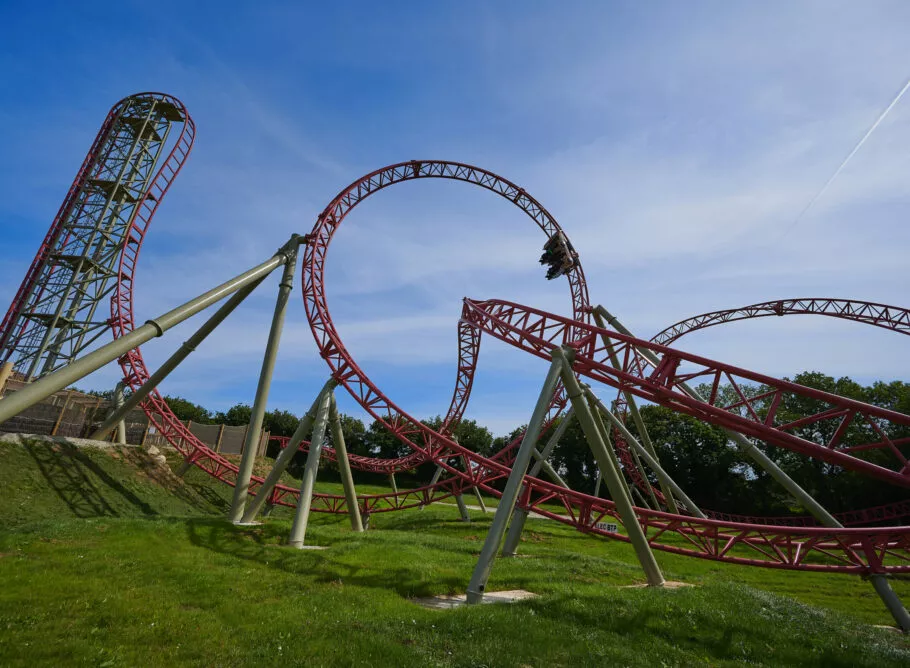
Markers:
<point>886,316</point>
<point>797,548</point>
<point>537,332</point>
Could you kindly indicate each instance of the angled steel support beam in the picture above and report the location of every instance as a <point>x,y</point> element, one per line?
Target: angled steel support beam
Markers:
<point>640,426</point>
<point>462,508</point>
<point>46,386</point>
<point>662,475</point>
<point>251,442</point>
<point>880,582</point>
<point>607,463</point>
<point>174,360</point>
<point>520,515</point>
<point>743,443</point>
<point>302,517</point>
<point>513,485</point>
<point>285,456</point>
<point>344,467</point>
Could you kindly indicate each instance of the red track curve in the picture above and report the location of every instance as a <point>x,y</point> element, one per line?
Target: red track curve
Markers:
<point>894,318</point>
<point>812,548</point>
<point>197,452</point>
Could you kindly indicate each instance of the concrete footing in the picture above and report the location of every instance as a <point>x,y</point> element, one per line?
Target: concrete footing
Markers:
<point>449,601</point>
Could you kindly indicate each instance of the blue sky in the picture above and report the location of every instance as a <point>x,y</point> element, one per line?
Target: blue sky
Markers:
<point>675,142</point>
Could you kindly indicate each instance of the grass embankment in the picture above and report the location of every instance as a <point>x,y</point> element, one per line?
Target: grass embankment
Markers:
<point>146,587</point>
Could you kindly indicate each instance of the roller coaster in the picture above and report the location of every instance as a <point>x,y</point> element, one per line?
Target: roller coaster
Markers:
<point>589,347</point>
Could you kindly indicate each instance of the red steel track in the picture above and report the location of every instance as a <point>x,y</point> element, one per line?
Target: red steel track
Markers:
<point>537,332</point>
<point>881,315</point>
<point>886,316</point>
<point>852,550</point>
<point>176,433</point>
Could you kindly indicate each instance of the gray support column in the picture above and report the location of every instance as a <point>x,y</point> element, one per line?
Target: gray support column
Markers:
<point>605,436</point>
<point>891,601</point>
<point>662,475</point>
<point>743,443</point>
<point>6,370</point>
<point>510,494</point>
<point>118,403</point>
<point>462,508</point>
<point>882,587</point>
<point>631,489</point>
<point>607,465</point>
<point>483,506</point>
<point>543,457</point>
<point>286,455</point>
<point>552,474</point>
<point>393,484</point>
<point>46,386</point>
<point>302,517</point>
<point>251,442</point>
<point>174,360</point>
<point>638,495</point>
<point>654,502</point>
<point>513,535</point>
<point>436,474</point>
<point>433,481</point>
<point>520,515</point>
<point>344,467</point>
<point>639,425</point>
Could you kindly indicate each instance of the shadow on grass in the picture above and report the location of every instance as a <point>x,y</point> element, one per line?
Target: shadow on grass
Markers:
<point>91,491</point>
<point>724,625</point>
<point>210,497</point>
<point>68,473</point>
<point>266,545</point>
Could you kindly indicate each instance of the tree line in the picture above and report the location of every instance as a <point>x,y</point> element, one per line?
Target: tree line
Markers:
<point>698,456</point>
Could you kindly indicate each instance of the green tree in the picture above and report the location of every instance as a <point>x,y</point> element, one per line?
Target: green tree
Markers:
<point>235,416</point>
<point>382,443</point>
<point>468,433</point>
<point>700,458</point>
<point>187,410</point>
<point>280,423</point>
<point>354,433</point>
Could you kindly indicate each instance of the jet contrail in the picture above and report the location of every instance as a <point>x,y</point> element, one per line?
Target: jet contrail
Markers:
<point>859,144</point>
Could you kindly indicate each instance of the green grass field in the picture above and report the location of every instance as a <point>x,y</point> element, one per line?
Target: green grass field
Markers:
<point>106,560</point>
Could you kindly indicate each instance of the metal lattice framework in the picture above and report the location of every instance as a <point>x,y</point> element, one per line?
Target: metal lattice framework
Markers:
<point>836,417</point>
<point>850,550</point>
<point>894,318</point>
<point>136,373</point>
<point>54,315</point>
<point>344,369</point>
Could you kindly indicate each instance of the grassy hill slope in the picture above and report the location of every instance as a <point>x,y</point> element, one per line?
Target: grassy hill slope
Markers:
<point>116,564</point>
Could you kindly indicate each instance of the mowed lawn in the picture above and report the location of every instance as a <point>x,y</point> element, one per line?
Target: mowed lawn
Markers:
<point>112,565</point>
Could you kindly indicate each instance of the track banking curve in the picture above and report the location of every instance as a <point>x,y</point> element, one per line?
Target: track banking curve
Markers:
<point>885,316</point>
<point>862,551</point>
<point>199,454</point>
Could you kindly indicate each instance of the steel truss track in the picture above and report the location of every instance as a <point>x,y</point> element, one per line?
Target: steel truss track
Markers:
<point>851,550</point>
<point>163,419</point>
<point>894,318</point>
<point>54,315</point>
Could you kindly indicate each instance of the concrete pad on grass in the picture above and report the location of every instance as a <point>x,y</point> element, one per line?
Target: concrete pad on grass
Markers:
<point>449,601</point>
